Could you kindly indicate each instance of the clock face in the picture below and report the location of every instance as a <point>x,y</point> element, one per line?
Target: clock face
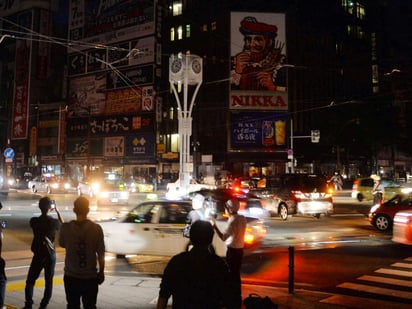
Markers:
<point>176,65</point>
<point>196,66</point>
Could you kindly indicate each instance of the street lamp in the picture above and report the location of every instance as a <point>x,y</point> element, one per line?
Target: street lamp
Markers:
<point>185,70</point>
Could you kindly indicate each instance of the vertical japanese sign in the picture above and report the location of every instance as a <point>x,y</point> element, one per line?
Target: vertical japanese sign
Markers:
<point>20,110</point>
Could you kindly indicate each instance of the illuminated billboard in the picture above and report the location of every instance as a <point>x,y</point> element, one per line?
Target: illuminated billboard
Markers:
<point>258,52</point>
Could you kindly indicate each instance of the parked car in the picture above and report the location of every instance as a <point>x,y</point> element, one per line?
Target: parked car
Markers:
<point>156,228</point>
<point>173,189</point>
<point>402,227</point>
<point>381,216</point>
<point>105,190</point>
<point>289,194</point>
<point>362,189</point>
<point>48,183</point>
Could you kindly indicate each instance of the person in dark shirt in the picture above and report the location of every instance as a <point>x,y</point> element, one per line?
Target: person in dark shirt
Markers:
<point>44,226</point>
<point>197,278</point>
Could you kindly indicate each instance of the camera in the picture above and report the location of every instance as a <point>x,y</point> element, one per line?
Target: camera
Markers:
<point>52,204</point>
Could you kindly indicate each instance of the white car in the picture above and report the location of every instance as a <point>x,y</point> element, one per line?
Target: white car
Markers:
<point>174,191</point>
<point>48,183</point>
<point>402,227</point>
<point>156,228</point>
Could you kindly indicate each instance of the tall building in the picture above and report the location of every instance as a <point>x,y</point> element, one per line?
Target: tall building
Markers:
<point>276,74</point>
<point>32,89</point>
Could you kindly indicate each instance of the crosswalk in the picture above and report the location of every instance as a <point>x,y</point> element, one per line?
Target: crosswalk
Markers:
<point>389,287</point>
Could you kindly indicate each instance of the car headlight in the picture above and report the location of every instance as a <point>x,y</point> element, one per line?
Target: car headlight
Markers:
<point>66,185</point>
<point>374,208</point>
<point>95,187</point>
<point>55,185</point>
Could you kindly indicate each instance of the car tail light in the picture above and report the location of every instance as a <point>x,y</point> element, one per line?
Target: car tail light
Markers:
<point>249,237</point>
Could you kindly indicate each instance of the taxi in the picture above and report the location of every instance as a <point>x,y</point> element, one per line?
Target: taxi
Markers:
<point>156,228</point>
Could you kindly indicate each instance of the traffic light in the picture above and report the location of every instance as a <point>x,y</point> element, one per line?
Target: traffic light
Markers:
<point>315,136</point>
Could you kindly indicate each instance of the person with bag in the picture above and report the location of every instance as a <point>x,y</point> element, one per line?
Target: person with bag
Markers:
<point>85,250</point>
<point>44,256</point>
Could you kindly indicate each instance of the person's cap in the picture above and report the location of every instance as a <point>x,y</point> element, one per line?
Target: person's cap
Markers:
<point>232,205</point>
<point>81,205</point>
<point>375,177</point>
<point>45,203</point>
<point>201,233</point>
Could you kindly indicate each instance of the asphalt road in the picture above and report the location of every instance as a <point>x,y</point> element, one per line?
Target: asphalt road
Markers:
<point>341,253</point>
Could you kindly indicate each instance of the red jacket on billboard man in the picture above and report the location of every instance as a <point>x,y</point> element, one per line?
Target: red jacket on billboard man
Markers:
<point>261,56</point>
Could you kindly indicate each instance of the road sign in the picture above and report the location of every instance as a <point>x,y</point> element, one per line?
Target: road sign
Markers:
<point>9,153</point>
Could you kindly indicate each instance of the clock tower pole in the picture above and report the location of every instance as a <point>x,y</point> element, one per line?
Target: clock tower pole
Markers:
<point>185,70</point>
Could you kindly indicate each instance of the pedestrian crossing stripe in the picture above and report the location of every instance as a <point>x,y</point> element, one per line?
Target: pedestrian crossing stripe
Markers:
<point>376,290</point>
<point>399,282</point>
<point>359,302</point>
<point>403,271</point>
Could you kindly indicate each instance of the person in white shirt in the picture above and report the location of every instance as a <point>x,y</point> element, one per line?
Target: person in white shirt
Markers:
<point>234,236</point>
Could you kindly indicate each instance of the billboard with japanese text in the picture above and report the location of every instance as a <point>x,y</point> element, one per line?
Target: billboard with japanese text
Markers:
<point>258,131</point>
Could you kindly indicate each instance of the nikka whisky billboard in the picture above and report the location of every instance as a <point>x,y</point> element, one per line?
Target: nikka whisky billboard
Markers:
<point>258,93</point>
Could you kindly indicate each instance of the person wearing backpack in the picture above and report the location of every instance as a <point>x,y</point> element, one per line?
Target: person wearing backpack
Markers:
<point>44,256</point>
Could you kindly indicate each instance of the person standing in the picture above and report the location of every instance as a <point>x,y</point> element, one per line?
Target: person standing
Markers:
<point>378,190</point>
<point>234,237</point>
<point>197,278</point>
<point>85,250</point>
<point>3,278</point>
<point>44,230</point>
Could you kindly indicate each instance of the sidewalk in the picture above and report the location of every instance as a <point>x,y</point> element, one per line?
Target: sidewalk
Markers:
<point>140,292</point>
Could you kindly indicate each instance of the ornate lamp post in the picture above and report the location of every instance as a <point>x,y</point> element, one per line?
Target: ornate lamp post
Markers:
<point>185,70</point>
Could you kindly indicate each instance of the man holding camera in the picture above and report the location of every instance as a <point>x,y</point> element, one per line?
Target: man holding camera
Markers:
<point>44,256</point>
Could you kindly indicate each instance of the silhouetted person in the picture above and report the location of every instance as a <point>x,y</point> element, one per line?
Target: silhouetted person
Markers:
<point>44,258</point>
<point>197,278</point>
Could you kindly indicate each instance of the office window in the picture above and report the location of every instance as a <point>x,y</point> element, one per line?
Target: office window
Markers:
<point>204,28</point>
<point>213,26</point>
<point>360,12</point>
<point>188,31</point>
<point>348,6</point>
<point>179,32</point>
<point>177,8</point>
<point>172,34</point>
<point>354,8</point>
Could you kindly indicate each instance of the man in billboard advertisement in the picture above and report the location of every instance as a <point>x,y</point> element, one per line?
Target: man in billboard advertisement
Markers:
<point>256,65</point>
